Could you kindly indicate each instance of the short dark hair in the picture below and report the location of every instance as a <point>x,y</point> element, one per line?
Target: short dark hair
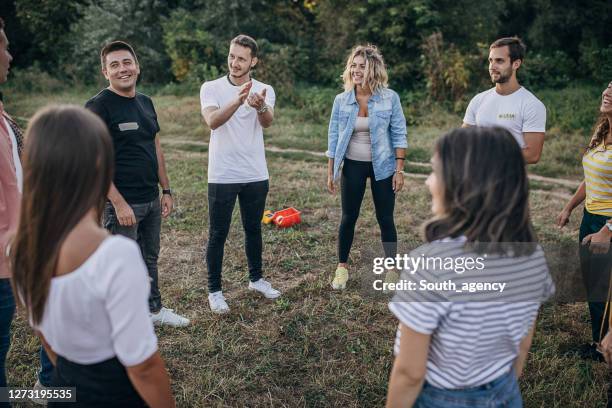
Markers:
<point>246,41</point>
<point>116,46</point>
<point>1,24</point>
<point>515,46</point>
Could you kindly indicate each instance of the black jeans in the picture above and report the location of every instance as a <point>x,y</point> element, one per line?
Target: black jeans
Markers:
<point>99,385</point>
<point>221,201</point>
<point>354,176</point>
<point>7,311</point>
<point>146,232</point>
<point>595,270</point>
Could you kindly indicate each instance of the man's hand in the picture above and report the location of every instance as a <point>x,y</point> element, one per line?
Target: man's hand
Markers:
<point>244,92</point>
<point>599,241</point>
<point>167,204</point>
<point>257,100</point>
<point>125,214</point>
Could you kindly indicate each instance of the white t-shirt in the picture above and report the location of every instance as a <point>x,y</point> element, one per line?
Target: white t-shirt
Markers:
<point>520,112</point>
<point>236,151</point>
<point>16,160</point>
<point>101,309</point>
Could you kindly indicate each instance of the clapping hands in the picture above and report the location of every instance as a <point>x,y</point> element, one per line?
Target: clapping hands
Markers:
<point>257,100</point>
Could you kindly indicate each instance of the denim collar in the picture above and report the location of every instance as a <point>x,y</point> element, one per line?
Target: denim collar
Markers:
<point>352,99</point>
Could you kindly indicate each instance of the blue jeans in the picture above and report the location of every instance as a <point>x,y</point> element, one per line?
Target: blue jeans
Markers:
<point>501,392</point>
<point>7,310</point>
<point>46,368</point>
<point>146,232</point>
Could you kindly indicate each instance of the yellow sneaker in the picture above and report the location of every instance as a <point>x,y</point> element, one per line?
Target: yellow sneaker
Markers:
<point>340,279</point>
<point>391,277</point>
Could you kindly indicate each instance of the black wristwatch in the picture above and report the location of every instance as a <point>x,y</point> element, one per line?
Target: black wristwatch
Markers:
<point>168,191</point>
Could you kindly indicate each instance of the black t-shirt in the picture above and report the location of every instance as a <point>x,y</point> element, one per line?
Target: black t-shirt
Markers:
<point>132,123</point>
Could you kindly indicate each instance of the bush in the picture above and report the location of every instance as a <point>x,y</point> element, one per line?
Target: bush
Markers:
<point>573,109</point>
<point>599,62</point>
<point>547,71</point>
<point>33,80</point>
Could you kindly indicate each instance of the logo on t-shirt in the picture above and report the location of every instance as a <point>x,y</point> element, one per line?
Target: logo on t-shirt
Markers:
<point>506,116</point>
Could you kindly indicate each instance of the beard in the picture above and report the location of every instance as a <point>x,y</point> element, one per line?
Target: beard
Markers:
<point>502,78</point>
<point>239,74</point>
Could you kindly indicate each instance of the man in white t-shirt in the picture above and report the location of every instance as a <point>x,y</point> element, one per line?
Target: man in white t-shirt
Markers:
<point>508,104</point>
<point>237,108</point>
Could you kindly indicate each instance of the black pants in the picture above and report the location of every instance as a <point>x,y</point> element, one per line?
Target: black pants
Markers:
<point>146,232</point>
<point>354,176</point>
<point>99,385</point>
<point>596,275</point>
<point>221,201</point>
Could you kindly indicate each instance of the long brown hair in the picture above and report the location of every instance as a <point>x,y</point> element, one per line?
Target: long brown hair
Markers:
<point>486,190</point>
<point>68,166</point>
<point>600,132</point>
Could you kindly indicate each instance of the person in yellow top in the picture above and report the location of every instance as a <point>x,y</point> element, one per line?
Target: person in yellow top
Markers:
<point>596,226</point>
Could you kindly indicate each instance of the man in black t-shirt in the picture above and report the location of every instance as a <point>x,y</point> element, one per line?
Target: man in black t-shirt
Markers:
<point>134,208</point>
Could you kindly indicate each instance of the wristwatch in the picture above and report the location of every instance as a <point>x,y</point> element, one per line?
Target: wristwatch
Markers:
<point>168,191</point>
<point>263,109</point>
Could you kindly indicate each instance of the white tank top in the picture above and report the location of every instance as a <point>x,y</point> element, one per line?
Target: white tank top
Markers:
<point>360,145</point>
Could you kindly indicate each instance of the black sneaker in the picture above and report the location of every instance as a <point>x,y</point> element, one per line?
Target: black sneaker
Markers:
<point>589,351</point>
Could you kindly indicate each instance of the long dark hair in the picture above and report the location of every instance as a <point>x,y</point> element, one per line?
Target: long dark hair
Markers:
<point>486,190</point>
<point>68,166</point>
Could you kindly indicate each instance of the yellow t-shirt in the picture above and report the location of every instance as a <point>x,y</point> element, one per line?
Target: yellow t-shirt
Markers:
<point>597,165</point>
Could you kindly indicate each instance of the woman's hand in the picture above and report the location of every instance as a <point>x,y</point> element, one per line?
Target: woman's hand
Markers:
<point>398,181</point>
<point>606,348</point>
<point>563,217</point>
<point>599,241</point>
<point>331,187</point>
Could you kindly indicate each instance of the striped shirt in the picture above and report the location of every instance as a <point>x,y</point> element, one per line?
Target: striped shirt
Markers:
<point>597,165</point>
<point>475,337</point>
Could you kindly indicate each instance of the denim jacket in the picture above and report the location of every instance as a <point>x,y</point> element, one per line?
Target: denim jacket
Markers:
<point>387,130</point>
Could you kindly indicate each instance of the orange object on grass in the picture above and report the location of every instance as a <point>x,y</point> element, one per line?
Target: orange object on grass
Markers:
<point>287,217</point>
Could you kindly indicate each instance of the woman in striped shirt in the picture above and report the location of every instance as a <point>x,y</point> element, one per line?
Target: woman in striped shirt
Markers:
<point>595,232</point>
<point>466,349</point>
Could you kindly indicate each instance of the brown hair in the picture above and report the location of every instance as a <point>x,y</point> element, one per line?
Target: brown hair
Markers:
<point>68,168</point>
<point>248,42</point>
<point>486,190</point>
<point>116,46</point>
<point>600,132</point>
<point>515,45</point>
<point>1,24</point>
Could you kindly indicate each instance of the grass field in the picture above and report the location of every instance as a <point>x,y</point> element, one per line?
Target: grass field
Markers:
<point>314,347</point>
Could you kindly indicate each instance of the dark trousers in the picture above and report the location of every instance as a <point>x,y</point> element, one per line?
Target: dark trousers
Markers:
<point>354,176</point>
<point>7,310</point>
<point>146,232</point>
<point>595,270</point>
<point>99,385</point>
<point>221,201</point>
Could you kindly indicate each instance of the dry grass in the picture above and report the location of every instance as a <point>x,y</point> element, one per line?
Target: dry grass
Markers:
<point>312,347</point>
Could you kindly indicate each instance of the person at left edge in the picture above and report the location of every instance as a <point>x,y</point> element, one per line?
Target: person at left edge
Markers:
<point>134,208</point>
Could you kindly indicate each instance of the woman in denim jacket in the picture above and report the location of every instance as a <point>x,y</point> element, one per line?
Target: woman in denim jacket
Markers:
<point>367,131</point>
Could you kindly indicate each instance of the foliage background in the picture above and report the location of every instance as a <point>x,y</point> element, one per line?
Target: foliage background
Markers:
<point>435,48</point>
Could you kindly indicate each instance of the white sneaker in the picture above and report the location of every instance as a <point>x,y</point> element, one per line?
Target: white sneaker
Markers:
<point>38,387</point>
<point>265,288</point>
<point>167,317</point>
<point>217,302</point>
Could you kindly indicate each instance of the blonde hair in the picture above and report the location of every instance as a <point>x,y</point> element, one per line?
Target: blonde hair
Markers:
<point>376,78</point>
